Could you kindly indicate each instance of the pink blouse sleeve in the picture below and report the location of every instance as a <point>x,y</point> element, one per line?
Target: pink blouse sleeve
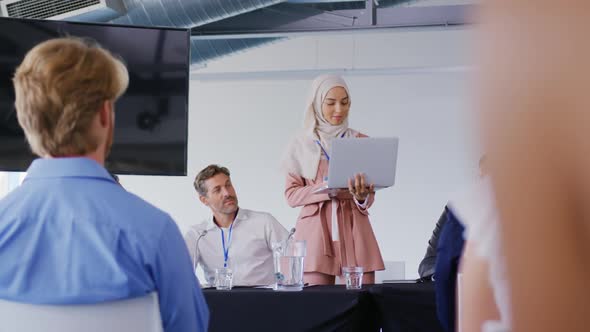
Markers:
<point>298,193</point>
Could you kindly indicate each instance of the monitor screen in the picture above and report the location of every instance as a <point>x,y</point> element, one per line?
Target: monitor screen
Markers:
<point>151,117</point>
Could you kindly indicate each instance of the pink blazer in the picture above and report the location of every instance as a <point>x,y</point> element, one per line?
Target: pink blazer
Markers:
<point>357,245</point>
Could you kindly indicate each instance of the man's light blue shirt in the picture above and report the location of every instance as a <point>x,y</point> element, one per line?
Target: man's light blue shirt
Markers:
<point>71,235</point>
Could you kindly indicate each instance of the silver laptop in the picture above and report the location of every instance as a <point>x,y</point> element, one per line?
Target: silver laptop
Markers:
<point>376,157</point>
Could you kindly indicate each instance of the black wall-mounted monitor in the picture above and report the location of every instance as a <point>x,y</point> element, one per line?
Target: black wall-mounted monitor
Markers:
<point>151,119</point>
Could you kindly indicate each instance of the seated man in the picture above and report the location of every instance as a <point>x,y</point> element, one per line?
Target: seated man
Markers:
<point>238,238</point>
<point>427,265</point>
<point>70,234</point>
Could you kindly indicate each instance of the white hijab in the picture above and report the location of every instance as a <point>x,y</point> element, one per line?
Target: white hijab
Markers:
<point>303,154</point>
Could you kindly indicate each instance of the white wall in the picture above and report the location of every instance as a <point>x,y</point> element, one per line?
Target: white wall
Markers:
<point>4,189</point>
<point>9,181</point>
<point>244,123</point>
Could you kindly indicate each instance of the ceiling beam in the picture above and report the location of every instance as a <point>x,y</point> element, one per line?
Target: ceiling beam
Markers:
<point>306,74</point>
<point>338,20</point>
<point>320,1</point>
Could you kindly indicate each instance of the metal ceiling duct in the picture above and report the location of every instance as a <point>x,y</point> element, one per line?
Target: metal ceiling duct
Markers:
<point>194,13</point>
<point>186,13</point>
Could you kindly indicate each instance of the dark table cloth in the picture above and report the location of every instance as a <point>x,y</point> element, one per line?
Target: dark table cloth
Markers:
<point>316,308</point>
<point>392,307</point>
<point>406,307</point>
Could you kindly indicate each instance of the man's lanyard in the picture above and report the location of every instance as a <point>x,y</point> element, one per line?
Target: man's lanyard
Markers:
<point>226,249</point>
<point>324,150</point>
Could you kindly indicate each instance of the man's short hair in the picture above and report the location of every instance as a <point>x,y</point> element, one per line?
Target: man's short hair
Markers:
<point>205,174</point>
<point>60,86</point>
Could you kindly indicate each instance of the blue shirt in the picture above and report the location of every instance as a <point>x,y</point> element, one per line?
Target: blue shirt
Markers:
<point>71,235</point>
<point>449,251</point>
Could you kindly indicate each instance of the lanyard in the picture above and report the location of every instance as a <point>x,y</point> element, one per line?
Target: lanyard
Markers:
<point>324,150</point>
<point>226,250</point>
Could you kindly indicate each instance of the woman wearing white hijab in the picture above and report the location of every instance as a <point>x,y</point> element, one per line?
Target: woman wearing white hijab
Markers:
<point>336,227</point>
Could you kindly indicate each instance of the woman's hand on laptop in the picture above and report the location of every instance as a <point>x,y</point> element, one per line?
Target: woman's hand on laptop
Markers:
<point>358,189</point>
<point>340,193</point>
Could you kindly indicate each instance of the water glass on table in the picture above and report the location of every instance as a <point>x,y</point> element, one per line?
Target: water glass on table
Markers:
<point>353,276</point>
<point>223,278</point>
<point>288,262</point>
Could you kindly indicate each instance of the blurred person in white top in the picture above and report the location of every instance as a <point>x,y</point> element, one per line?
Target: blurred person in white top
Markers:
<point>484,301</point>
<point>232,237</point>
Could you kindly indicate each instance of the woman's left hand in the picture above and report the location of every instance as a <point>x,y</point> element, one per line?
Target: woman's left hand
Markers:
<point>358,189</point>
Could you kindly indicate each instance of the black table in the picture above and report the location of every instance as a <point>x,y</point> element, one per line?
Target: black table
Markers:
<point>316,308</point>
<point>406,307</point>
<point>393,307</point>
